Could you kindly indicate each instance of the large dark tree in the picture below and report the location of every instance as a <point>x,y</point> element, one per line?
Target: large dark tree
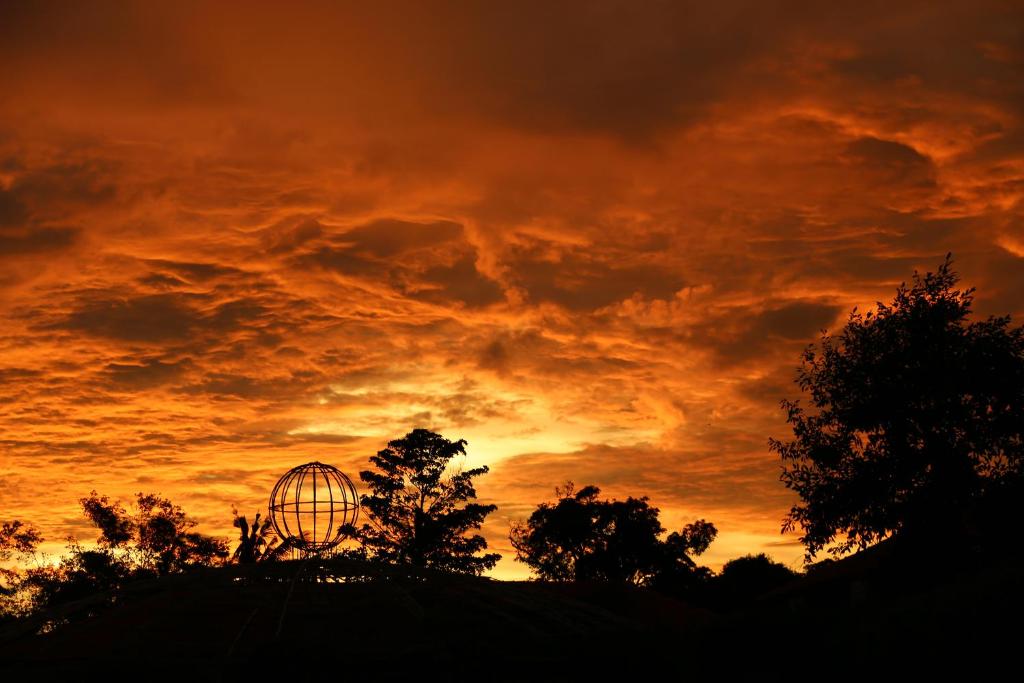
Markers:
<point>419,506</point>
<point>914,418</point>
<point>580,537</point>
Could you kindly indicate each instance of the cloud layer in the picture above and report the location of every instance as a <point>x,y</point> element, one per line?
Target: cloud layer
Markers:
<point>590,238</point>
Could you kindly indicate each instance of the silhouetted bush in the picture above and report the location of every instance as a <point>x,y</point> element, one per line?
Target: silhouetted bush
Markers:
<point>748,577</point>
<point>79,574</point>
<point>582,538</point>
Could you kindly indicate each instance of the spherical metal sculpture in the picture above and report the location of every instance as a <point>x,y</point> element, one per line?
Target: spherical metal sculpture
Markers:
<point>311,506</point>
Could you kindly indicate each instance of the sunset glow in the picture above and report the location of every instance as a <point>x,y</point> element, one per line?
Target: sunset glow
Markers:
<point>589,238</point>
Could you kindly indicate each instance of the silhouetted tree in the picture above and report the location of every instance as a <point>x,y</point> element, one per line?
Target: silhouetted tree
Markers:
<point>579,537</point>
<point>694,538</point>
<point>257,543</point>
<point>17,541</point>
<point>418,507</point>
<point>153,540</point>
<point>748,577</point>
<point>157,537</point>
<point>916,414</point>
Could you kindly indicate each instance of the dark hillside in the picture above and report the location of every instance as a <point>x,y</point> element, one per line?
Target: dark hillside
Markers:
<point>876,614</point>
<point>886,613</point>
<point>232,623</point>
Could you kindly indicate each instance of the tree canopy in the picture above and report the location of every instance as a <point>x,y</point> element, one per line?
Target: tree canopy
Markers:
<point>157,534</point>
<point>914,414</point>
<point>17,540</point>
<point>747,577</point>
<point>419,506</point>
<point>153,539</point>
<point>580,537</point>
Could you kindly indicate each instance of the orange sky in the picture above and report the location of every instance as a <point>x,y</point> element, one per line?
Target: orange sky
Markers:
<point>589,238</point>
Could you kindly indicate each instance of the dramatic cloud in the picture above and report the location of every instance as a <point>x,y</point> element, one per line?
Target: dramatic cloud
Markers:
<point>591,238</point>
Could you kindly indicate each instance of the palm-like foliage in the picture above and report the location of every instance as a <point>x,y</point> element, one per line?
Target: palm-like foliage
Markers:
<point>257,543</point>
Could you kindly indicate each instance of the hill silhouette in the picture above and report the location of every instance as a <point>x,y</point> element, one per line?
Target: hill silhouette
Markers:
<point>874,614</point>
<point>303,618</point>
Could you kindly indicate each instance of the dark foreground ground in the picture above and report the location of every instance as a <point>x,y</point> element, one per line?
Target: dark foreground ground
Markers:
<point>871,617</point>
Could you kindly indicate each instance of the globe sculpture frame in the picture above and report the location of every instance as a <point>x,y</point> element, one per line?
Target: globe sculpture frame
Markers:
<point>298,497</point>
